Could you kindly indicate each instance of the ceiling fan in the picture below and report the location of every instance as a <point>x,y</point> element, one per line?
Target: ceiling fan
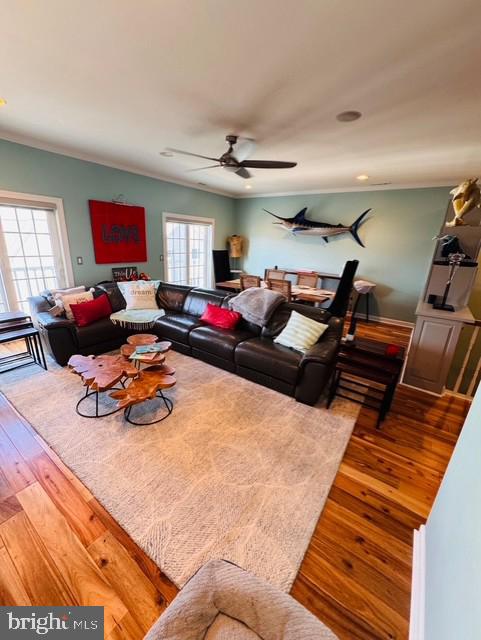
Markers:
<point>236,163</point>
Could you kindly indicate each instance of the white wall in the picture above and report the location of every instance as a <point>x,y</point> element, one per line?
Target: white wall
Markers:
<point>453,542</point>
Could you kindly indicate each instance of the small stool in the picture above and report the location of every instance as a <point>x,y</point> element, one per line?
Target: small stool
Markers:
<point>363,288</point>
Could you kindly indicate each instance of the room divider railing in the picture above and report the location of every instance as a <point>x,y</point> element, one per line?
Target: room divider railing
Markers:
<point>465,373</point>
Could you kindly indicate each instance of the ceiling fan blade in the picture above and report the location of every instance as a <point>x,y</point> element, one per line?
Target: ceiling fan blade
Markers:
<point>211,166</point>
<point>267,164</point>
<point>243,173</point>
<point>194,155</point>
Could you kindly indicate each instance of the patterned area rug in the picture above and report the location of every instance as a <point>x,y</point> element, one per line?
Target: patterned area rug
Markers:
<point>237,471</point>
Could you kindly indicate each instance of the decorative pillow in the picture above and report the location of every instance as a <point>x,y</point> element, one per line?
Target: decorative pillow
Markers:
<point>222,318</point>
<point>67,292</point>
<point>139,294</point>
<point>300,333</point>
<point>87,313</point>
<point>73,298</point>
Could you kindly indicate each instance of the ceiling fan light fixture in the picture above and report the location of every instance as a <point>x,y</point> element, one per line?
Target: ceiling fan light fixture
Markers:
<point>363,177</point>
<point>348,116</point>
<point>248,186</point>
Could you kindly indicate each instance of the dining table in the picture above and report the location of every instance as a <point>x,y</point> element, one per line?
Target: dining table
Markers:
<point>298,292</point>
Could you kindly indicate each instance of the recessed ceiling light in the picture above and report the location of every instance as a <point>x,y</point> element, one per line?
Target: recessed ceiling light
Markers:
<point>248,186</point>
<point>348,116</point>
<point>166,154</point>
<point>362,177</point>
<point>3,102</point>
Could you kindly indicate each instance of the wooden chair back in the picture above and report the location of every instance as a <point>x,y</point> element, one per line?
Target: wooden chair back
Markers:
<point>307,280</point>
<point>246,282</point>
<point>274,274</point>
<point>281,286</point>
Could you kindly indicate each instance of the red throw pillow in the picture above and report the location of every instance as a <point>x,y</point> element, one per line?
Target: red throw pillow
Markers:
<point>222,318</point>
<point>89,312</point>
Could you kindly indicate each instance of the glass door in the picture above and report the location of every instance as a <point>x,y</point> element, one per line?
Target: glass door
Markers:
<point>30,254</point>
<point>188,252</point>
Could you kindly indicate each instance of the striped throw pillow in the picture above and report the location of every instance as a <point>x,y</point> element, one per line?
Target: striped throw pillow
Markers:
<point>300,333</point>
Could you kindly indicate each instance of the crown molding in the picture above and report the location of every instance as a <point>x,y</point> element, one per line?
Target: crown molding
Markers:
<point>314,192</point>
<point>64,151</point>
<point>86,157</point>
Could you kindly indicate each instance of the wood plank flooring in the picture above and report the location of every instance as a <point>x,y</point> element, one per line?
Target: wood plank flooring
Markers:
<point>59,546</point>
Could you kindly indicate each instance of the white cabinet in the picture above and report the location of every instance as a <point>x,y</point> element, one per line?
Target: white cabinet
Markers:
<point>433,342</point>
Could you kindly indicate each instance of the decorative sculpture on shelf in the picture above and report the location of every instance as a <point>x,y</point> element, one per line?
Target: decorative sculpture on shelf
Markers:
<point>455,260</point>
<point>466,197</point>
<point>450,244</point>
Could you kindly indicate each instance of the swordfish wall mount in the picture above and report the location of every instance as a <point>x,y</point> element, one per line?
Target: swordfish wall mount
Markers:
<point>299,224</point>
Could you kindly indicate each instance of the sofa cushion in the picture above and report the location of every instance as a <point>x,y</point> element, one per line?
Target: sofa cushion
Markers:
<point>172,296</point>
<point>101,331</point>
<point>177,326</point>
<point>261,354</point>
<point>117,300</point>
<point>220,342</point>
<point>197,300</point>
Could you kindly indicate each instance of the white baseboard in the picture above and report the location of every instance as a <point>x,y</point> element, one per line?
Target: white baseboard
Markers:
<point>400,323</point>
<point>418,586</point>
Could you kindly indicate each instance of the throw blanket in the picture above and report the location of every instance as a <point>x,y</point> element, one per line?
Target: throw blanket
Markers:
<point>137,319</point>
<point>257,305</point>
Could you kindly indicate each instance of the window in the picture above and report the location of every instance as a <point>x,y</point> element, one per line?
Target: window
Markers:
<point>31,253</point>
<point>188,250</point>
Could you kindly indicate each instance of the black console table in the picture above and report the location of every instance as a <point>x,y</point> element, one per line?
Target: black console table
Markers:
<point>368,371</point>
<point>16,325</point>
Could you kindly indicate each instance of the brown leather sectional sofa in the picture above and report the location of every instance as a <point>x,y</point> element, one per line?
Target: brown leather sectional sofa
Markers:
<point>248,350</point>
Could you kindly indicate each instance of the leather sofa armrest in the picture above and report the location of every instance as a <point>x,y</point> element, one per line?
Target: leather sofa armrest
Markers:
<point>48,322</point>
<point>325,351</point>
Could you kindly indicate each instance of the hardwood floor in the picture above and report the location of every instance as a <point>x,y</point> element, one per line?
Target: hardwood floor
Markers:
<point>59,546</point>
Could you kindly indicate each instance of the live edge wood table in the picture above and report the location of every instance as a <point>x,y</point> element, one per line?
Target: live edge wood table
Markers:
<point>101,374</point>
<point>369,372</point>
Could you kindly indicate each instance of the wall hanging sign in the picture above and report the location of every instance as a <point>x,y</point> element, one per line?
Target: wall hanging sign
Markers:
<point>118,232</point>
<point>123,274</point>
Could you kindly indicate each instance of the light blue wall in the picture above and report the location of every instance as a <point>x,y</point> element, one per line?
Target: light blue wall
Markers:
<point>453,542</point>
<point>30,170</point>
<point>398,238</point>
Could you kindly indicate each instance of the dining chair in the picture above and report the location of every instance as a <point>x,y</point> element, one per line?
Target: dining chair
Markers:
<point>307,280</point>
<point>246,282</point>
<point>274,274</point>
<point>281,286</point>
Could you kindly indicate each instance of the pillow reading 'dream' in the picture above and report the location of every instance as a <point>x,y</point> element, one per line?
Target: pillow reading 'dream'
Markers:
<point>139,294</point>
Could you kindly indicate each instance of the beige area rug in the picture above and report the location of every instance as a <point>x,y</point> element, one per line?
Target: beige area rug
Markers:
<point>238,471</point>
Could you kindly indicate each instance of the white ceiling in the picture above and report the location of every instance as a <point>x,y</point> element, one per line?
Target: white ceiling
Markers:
<point>117,81</point>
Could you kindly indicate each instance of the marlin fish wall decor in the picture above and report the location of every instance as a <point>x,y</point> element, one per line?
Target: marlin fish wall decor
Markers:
<point>299,224</point>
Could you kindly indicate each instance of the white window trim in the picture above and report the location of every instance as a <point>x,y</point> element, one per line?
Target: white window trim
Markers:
<point>187,218</point>
<point>47,202</point>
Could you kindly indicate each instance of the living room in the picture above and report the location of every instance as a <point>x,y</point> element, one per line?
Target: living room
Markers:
<point>240,316</point>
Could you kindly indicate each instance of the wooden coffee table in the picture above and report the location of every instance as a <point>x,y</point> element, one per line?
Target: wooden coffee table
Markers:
<point>100,374</point>
<point>148,385</point>
<point>128,349</point>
